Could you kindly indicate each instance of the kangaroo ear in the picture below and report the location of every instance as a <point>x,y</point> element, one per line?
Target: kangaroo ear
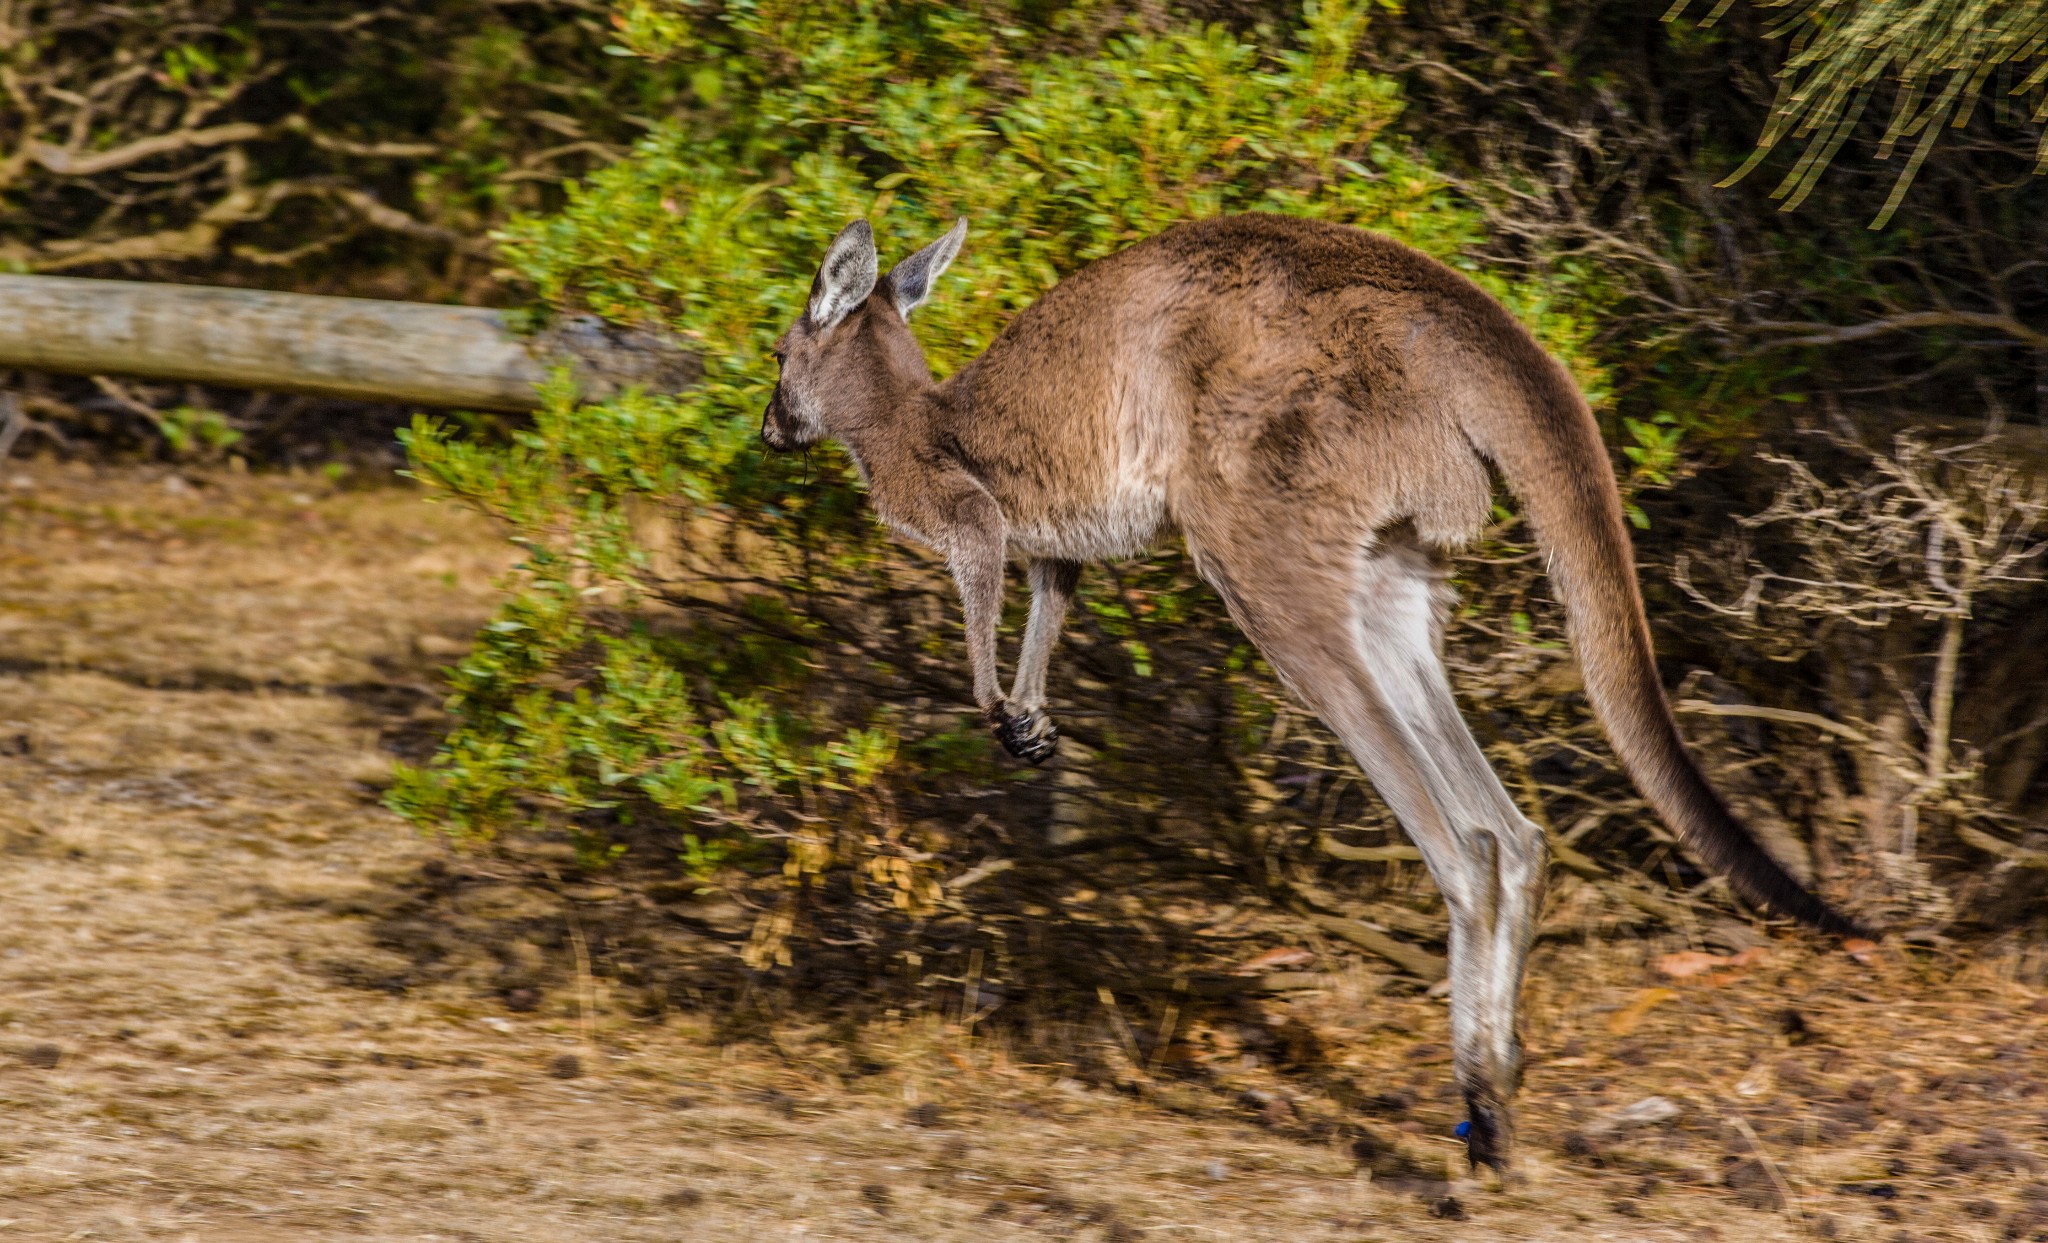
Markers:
<point>910,282</point>
<point>847,276</point>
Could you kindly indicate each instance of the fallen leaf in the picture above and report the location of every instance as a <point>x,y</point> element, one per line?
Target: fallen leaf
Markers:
<point>1688,963</point>
<point>1285,956</point>
<point>1624,1020</point>
<point>1756,1083</point>
<point>1861,950</point>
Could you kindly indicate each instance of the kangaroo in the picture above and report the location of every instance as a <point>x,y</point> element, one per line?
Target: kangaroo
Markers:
<point>1314,409</point>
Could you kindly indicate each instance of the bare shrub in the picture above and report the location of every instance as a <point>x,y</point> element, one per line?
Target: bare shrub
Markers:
<point>1874,581</point>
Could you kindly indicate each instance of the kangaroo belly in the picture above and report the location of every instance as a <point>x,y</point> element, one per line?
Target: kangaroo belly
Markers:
<point>1127,518</point>
<point>1110,465</point>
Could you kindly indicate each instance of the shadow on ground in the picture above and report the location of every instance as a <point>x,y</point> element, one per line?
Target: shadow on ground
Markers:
<point>239,998</point>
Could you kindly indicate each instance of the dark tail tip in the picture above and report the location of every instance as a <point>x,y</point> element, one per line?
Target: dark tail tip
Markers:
<point>1765,882</point>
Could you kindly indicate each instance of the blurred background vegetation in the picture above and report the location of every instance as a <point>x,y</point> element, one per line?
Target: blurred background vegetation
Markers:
<point>712,667</point>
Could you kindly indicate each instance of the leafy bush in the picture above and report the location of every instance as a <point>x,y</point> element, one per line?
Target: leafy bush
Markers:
<point>601,696</point>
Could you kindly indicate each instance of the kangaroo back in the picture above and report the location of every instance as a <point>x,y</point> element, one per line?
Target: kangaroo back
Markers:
<point>1541,435</point>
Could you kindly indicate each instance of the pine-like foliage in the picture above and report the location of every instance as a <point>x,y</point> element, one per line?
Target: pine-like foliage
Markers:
<point>1937,56</point>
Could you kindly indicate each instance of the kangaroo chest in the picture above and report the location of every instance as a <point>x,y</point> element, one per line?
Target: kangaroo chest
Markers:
<point>1104,491</point>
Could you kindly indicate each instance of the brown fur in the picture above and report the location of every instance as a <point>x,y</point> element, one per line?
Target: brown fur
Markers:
<point>1313,408</point>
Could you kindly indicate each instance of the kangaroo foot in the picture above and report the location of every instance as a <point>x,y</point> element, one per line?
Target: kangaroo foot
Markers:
<point>1029,735</point>
<point>1488,1134</point>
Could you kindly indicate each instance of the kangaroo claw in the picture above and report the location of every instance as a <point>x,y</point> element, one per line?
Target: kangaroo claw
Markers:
<point>1029,735</point>
<point>1487,1135</point>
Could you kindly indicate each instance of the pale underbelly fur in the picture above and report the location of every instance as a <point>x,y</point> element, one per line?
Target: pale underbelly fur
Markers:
<point>1125,522</point>
<point>1128,514</point>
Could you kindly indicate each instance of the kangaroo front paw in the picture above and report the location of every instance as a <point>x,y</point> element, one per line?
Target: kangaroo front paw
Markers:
<point>1029,735</point>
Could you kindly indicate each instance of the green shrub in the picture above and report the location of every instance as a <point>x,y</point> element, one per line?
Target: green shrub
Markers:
<point>581,705</point>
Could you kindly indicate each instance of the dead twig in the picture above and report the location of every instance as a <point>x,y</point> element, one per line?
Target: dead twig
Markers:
<point>15,423</point>
<point>2018,856</point>
<point>1366,854</point>
<point>1763,1158</point>
<point>1415,960</point>
<point>1786,716</point>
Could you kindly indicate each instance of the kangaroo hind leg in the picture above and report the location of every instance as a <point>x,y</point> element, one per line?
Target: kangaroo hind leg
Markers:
<point>1495,859</point>
<point>1363,651</point>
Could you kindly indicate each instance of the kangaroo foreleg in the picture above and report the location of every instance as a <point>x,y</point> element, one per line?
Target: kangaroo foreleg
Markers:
<point>1032,735</point>
<point>1052,590</point>
<point>958,517</point>
<point>974,553</point>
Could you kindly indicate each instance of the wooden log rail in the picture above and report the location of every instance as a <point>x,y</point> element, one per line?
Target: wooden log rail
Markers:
<point>410,353</point>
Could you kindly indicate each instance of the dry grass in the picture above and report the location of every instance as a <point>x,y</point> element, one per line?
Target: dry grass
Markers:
<point>204,899</point>
<point>278,580</point>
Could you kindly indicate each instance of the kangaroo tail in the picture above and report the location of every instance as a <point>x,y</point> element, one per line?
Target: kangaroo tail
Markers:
<point>1553,459</point>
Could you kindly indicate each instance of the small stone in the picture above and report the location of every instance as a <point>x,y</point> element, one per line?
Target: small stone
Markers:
<point>768,1098</point>
<point>1271,1108</point>
<point>926,1115</point>
<point>43,1056</point>
<point>687,1197</point>
<point>877,1197</point>
<point>522,1000</point>
<point>1448,1209</point>
<point>1753,1185</point>
<point>1217,1170</point>
<point>566,1066</point>
<point>1578,1145</point>
<point>1646,1112</point>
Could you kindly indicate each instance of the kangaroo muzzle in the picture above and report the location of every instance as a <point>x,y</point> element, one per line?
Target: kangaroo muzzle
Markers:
<point>773,421</point>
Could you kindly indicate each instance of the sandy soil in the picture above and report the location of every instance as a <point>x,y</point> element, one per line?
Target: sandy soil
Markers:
<point>239,1000</point>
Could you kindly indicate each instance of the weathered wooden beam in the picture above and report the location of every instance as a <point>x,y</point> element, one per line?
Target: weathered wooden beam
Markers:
<point>411,353</point>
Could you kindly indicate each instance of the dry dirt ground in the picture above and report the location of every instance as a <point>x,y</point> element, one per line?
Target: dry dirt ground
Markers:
<point>208,1032</point>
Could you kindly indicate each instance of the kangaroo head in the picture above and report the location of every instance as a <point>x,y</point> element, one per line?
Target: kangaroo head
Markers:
<point>850,357</point>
